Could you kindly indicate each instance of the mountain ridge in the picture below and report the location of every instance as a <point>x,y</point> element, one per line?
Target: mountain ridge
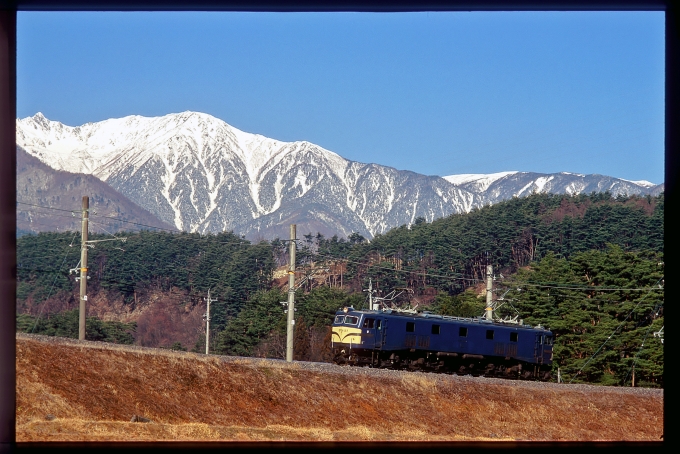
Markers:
<point>200,174</point>
<point>41,189</point>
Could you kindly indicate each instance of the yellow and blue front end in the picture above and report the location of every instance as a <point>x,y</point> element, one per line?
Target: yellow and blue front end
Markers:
<point>346,335</point>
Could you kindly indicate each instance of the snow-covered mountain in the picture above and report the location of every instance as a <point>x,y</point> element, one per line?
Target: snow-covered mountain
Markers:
<point>200,174</point>
<point>500,186</point>
<point>39,185</point>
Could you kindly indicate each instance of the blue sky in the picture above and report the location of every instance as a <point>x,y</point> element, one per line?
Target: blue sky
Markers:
<point>435,93</point>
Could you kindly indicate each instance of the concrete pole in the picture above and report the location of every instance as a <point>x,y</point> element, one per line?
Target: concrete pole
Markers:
<point>489,289</point>
<point>633,384</point>
<point>207,322</point>
<point>83,269</point>
<point>207,325</point>
<point>290,330</point>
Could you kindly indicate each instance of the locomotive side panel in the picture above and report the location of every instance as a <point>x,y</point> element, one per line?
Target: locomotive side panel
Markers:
<point>438,343</point>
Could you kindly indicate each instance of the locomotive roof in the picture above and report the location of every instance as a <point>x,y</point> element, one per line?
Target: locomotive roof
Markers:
<point>429,316</point>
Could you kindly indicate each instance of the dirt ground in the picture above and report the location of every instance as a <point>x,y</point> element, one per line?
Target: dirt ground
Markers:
<point>86,391</point>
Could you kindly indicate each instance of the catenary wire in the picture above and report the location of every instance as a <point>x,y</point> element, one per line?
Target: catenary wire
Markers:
<point>37,319</point>
<point>611,335</point>
<point>642,345</point>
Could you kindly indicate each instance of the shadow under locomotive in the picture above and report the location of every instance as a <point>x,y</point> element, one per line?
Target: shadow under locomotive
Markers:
<point>428,342</point>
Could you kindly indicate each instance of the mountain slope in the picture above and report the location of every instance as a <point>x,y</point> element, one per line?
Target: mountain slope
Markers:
<point>38,185</point>
<point>505,185</point>
<point>200,174</point>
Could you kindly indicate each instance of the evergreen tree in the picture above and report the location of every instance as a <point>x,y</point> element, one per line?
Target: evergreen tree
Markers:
<point>66,324</point>
<point>598,313</point>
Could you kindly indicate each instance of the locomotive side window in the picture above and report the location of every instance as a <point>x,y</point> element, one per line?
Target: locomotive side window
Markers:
<point>489,334</point>
<point>513,337</point>
<point>351,320</point>
<point>410,327</point>
<point>462,331</point>
<point>369,323</point>
<point>435,329</point>
<point>378,325</point>
<point>339,319</point>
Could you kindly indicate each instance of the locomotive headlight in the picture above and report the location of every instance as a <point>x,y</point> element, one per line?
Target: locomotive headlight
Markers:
<point>345,309</point>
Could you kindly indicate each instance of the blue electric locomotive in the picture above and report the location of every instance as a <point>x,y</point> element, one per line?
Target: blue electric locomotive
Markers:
<point>402,340</point>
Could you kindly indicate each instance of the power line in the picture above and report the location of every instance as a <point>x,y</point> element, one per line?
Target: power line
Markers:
<point>50,292</point>
<point>401,271</point>
<point>543,298</point>
<point>611,335</point>
<point>204,238</point>
<point>98,225</point>
<point>642,345</point>
<point>136,223</point>
<point>51,226</point>
<point>448,277</point>
<point>591,288</point>
<point>41,257</point>
<point>49,208</point>
<point>50,214</point>
<point>94,214</point>
<point>475,280</point>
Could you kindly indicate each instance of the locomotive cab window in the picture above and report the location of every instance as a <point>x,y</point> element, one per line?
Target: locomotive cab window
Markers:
<point>410,327</point>
<point>435,329</point>
<point>369,323</point>
<point>339,319</point>
<point>549,340</point>
<point>351,320</point>
<point>513,337</point>
<point>489,334</point>
<point>378,324</point>
<point>462,331</point>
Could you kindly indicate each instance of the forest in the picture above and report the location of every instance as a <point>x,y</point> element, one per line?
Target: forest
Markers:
<point>589,267</point>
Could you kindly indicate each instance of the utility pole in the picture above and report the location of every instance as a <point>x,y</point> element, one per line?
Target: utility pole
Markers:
<point>633,384</point>
<point>489,290</point>
<point>83,269</point>
<point>207,322</point>
<point>291,298</point>
<point>370,295</point>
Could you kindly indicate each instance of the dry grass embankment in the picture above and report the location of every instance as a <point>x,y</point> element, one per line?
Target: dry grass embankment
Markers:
<point>94,389</point>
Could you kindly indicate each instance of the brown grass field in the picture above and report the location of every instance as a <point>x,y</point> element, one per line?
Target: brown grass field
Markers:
<point>91,391</point>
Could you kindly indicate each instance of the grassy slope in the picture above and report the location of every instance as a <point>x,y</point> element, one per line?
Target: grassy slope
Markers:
<point>94,389</point>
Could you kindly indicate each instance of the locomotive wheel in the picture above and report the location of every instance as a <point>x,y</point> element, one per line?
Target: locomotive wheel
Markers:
<point>340,360</point>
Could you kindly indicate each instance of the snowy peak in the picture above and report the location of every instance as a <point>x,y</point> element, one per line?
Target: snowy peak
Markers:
<point>503,185</point>
<point>201,174</point>
<point>481,181</point>
<point>40,119</point>
<point>643,183</point>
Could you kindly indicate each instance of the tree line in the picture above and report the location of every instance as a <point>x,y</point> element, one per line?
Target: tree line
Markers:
<point>552,247</point>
